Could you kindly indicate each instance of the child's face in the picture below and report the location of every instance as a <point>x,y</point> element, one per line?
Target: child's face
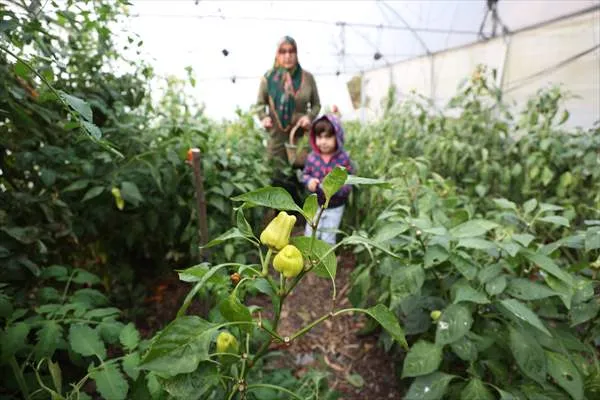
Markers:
<point>326,143</point>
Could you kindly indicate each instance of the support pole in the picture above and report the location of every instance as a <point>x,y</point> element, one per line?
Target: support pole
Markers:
<point>196,162</point>
<point>363,98</point>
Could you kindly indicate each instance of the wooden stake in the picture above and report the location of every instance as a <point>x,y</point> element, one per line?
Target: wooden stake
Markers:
<point>200,202</point>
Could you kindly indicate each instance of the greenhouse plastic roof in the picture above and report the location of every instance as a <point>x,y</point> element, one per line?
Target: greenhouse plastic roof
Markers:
<point>232,43</point>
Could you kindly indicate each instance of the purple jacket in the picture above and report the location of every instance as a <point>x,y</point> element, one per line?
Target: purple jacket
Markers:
<point>316,167</point>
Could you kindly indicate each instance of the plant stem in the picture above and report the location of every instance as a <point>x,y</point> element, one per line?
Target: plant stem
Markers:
<point>321,319</point>
<point>19,377</point>
<point>274,387</point>
<point>265,266</point>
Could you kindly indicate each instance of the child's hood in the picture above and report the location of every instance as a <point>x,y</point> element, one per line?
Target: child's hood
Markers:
<point>337,127</point>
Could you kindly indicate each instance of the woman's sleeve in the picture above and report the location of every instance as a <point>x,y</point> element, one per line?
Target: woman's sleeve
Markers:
<point>315,101</point>
<point>262,100</point>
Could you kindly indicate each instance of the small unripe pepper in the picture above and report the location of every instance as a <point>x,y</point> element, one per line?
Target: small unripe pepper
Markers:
<point>235,278</point>
<point>289,261</point>
<point>227,343</point>
<point>277,234</point>
<point>435,315</point>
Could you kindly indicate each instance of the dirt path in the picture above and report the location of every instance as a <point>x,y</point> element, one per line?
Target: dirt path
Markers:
<point>333,345</point>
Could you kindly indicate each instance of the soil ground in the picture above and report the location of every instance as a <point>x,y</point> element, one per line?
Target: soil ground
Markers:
<point>331,346</point>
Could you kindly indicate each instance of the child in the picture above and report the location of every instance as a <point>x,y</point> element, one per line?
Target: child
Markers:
<point>327,142</point>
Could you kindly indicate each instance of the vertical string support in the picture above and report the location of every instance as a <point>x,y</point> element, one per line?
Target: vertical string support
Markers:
<point>196,162</point>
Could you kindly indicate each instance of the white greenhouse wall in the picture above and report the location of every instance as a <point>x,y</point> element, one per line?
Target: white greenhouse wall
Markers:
<point>523,54</point>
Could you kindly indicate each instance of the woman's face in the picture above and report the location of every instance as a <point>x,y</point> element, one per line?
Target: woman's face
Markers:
<point>286,56</point>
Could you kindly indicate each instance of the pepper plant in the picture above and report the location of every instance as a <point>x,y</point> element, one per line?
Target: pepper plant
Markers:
<point>193,357</point>
<point>490,309</point>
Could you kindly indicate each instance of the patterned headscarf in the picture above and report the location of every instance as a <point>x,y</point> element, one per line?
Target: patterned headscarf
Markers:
<point>282,86</point>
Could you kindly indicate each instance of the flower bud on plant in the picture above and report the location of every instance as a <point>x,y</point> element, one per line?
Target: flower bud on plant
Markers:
<point>227,343</point>
<point>435,315</point>
<point>289,261</point>
<point>277,234</point>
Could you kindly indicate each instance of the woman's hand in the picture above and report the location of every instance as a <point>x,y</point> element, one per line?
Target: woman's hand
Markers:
<point>313,184</point>
<point>304,122</point>
<point>267,122</point>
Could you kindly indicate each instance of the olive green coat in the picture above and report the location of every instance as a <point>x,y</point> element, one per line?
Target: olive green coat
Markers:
<point>307,103</point>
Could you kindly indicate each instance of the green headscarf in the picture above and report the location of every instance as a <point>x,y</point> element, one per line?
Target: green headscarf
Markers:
<point>282,86</point>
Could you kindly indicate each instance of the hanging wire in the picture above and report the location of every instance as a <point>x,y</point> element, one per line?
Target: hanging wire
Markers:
<point>312,21</point>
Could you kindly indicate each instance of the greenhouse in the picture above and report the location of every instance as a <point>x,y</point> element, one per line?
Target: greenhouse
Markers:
<point>374,199</point>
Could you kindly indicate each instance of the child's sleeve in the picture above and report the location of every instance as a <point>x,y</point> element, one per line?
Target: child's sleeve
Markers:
<point>308,171</point>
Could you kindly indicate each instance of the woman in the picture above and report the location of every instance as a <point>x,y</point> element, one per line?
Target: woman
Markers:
<point>287,96</point>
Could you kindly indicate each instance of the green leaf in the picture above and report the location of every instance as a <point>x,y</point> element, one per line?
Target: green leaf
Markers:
<point>435,254</point>
<point>476,390</point>
<point>525,238</point>
<point>81,107</point>
<point>489,273</point>
<point>77,185</point>
<point>355,380</point>
<point>131,193</point>
<point>272,197</point>
<point>390,231</point>
<point>549,207</point>
<point>528,353</point>
<point>405,282</point>
<point>129,337</point>
<point>130,365</point>
<point>233,310</point>
<point>327,268</point>
<point>54,271</point>
<point>524,313</point>
<point>360,240</point>
<point>310,207</point>
<point>422,359</point>
<point>389,322</point>
<point>93,192</point>
<point>584,312</point>
<point>83,277</point>
<point>455,322</point>
<point>56,374</point>
<point>110,383</point>
<point>556,220</point>
<point>179,348</point>
<point>565,374</point>
<point>505,204</point>
<point>243,225</point>
<point>462,291</point>
<point>48,339</point>
<point>86,341</point>
<point>465,349</point>
<point>476,243</point>
<point>89,297</point>
<point>357,180</point>
<point>549,266</point>
<point>592,240</point>
<point>194,386</point>
<point>13,339</point>
<point>101,313</point>
<point>496,285</point>
<point>530,205</point>
<point>524,289</point>
<point>26,235</point>
<point>233,233</point>
<point>333,182</point>
<point>429,387</point>
<point>474,227</point>
<point>465,266</point>
<point>91,129</point>
<point>110,330</point>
